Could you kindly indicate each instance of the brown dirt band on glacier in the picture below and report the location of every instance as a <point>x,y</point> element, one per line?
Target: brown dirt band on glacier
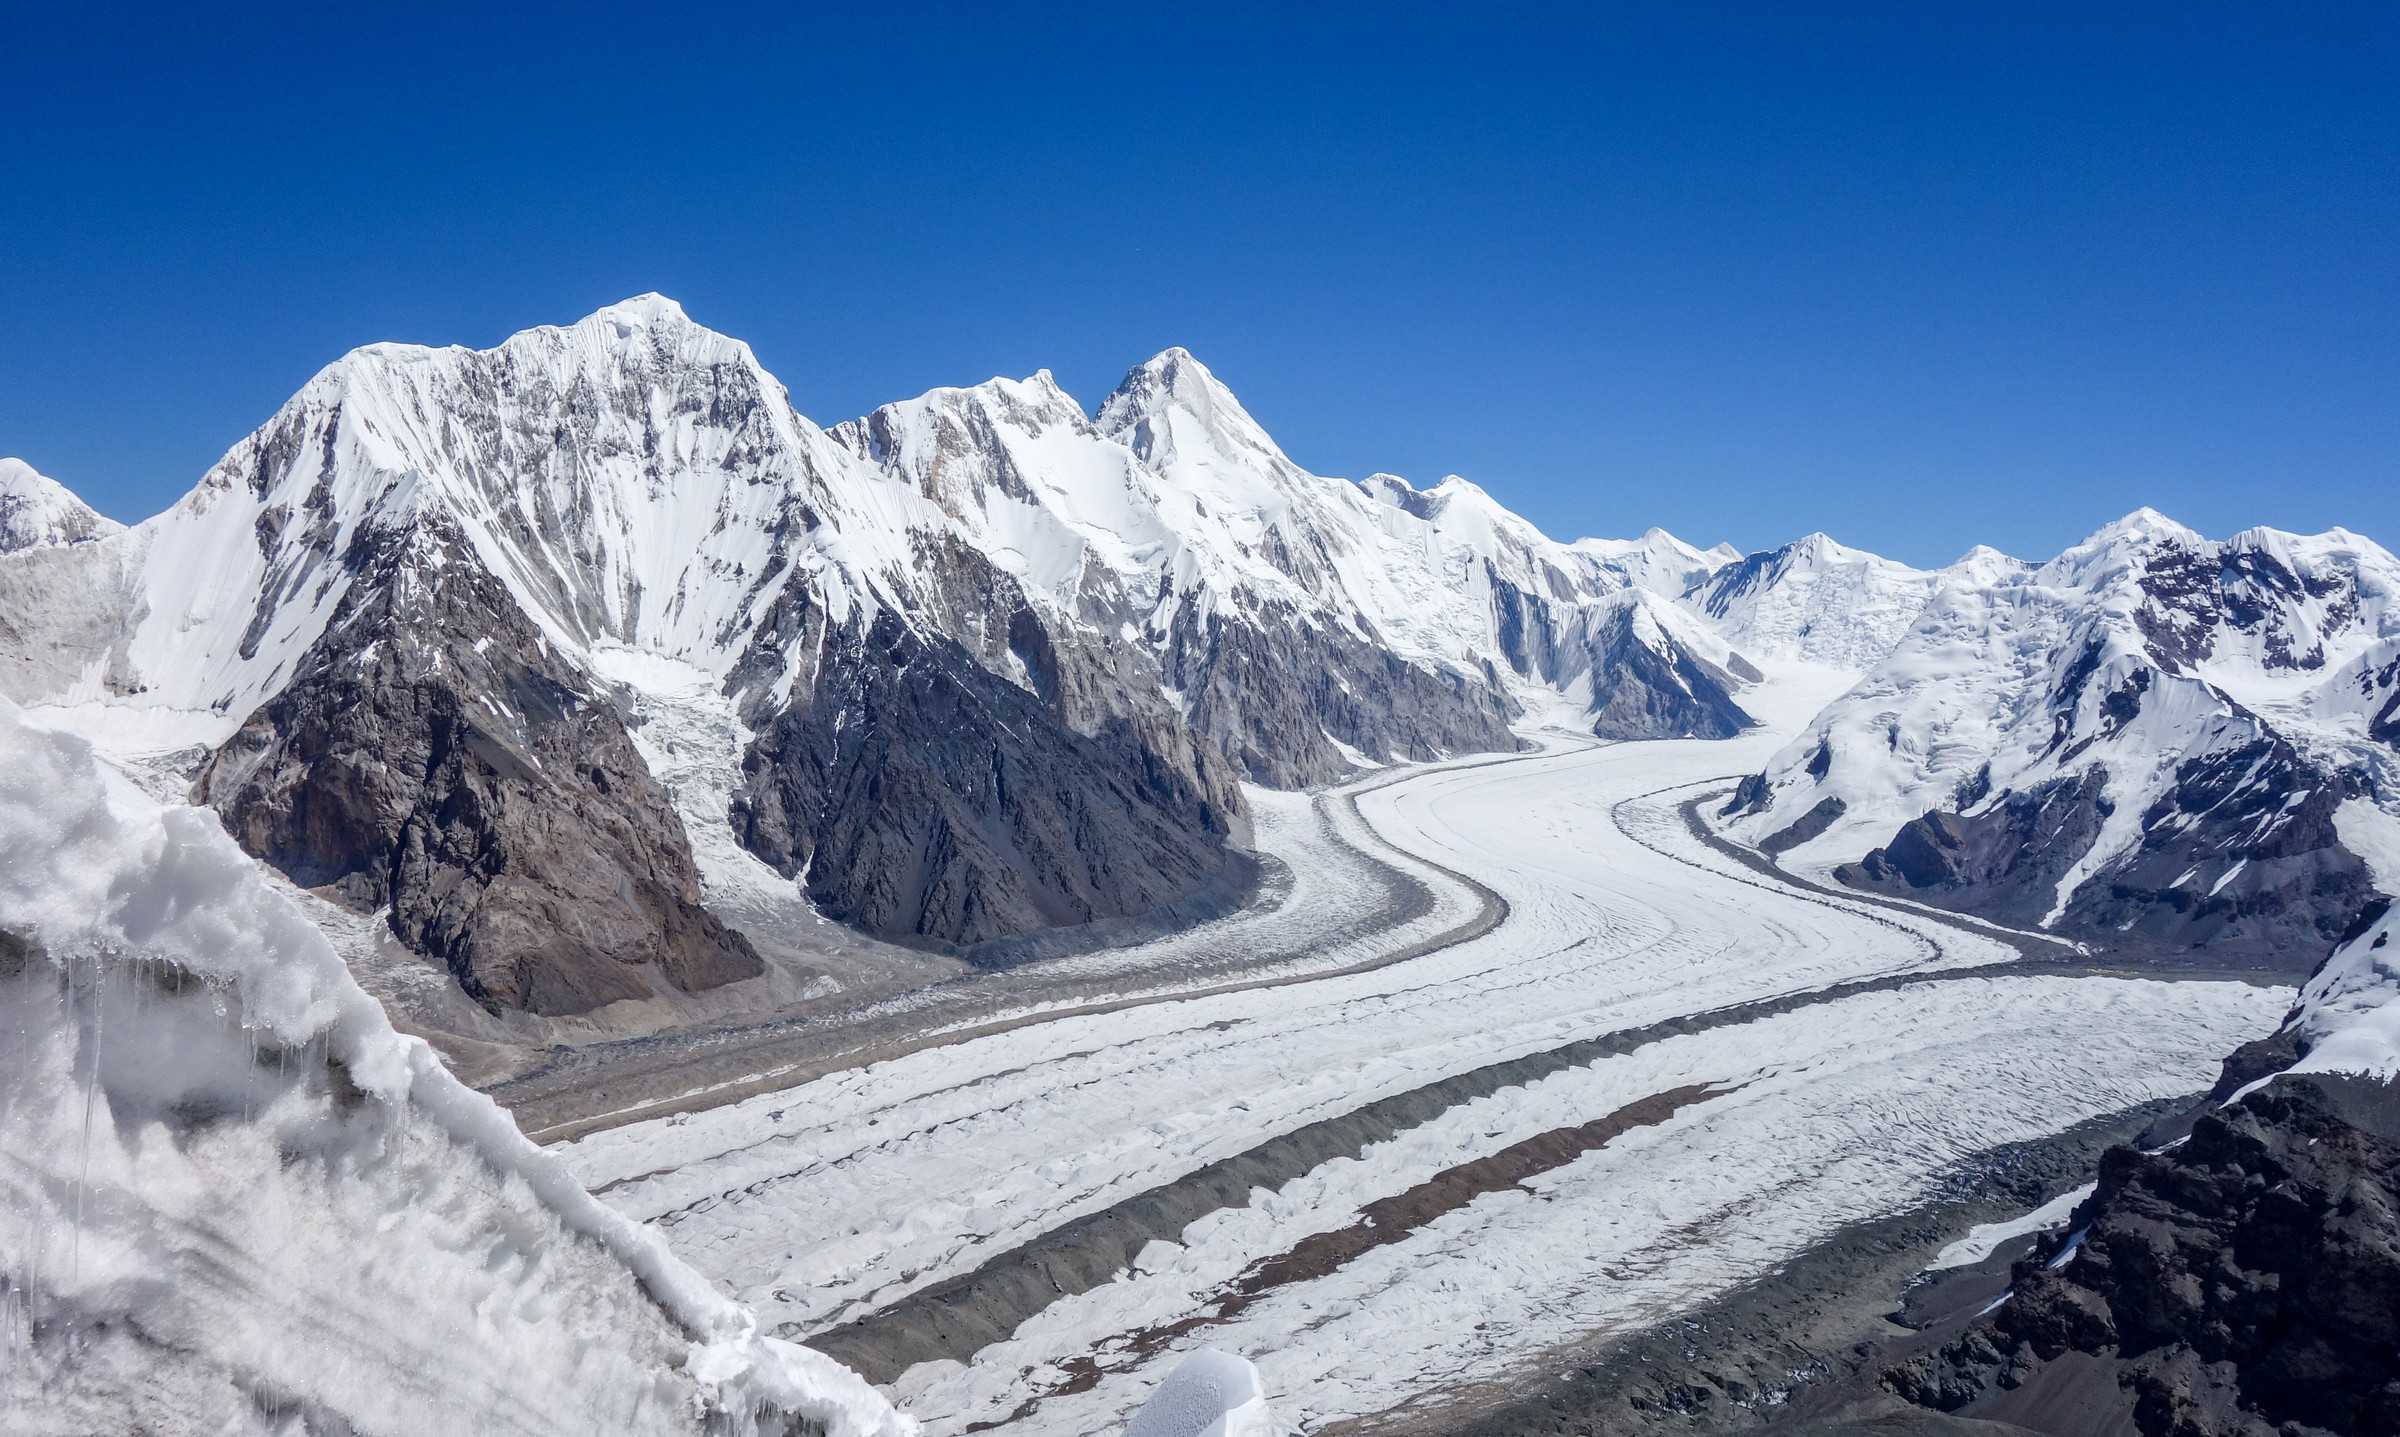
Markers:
<point>959,1316</point>
<point>1385,1221</point>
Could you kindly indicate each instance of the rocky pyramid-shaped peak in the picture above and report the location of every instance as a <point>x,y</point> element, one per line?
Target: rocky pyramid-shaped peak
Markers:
<point>36,510</point>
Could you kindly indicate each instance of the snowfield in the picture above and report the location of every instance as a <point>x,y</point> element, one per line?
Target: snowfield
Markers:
<point>835,1199</point>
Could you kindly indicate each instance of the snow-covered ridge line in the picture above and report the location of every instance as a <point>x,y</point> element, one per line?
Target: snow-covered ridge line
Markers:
<point>36,511</point>
<point>2348,1020</point>
<point>447,571</point>
<point>1133,609</point>
<point>103,891</point>
<point>2151,739</point>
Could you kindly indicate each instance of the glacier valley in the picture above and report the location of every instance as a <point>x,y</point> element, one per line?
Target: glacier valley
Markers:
<point>553,893</point>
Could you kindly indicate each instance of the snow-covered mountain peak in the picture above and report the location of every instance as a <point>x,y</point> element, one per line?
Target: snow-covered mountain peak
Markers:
<point>1172,406</point>
<point>36,510</point>
<point>642,311</point>
<point>1660,562</point>
<point>1816,600</point>
<point>1398,492</point>
<point>1984,567</point>
<point>2164,708</point>
<point>2119,546</point>
<point>633,479</point>
<point>1821,549</point>
<point>1465,514</point>
<point>2147,523</point>
<point>1984,555</point>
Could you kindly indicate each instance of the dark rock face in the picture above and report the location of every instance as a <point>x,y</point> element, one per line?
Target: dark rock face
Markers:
<point>2246,1282</point>
<point>2240,588</point>
<point>2379,685</point>
<point>432,755</point>
<point>2004,864</point>
<point>1272,691</point>
<point>1639,692</point>
<point>932,803</point>
<point>1807,826</point>
<point>2240,857</point>
<point>1751,795</point>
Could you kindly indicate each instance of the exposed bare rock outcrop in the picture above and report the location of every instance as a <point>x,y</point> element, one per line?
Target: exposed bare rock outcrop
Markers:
<point>928,802</point>
<point>433,756</point>
<point>2245,1283</point>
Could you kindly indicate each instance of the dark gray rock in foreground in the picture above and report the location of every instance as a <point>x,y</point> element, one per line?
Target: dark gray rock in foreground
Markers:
<point>2245,1283</point>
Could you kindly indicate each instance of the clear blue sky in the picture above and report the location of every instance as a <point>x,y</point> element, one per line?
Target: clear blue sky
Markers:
<point>1917,277</point>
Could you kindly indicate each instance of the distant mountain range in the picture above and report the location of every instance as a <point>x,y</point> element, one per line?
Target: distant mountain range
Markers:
<point>981,666</point>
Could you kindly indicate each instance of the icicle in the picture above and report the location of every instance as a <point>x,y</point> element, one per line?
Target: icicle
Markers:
<point>91,1089</point>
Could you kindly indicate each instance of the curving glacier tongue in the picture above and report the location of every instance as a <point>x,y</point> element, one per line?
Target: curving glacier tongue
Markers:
<point>235,1200</point>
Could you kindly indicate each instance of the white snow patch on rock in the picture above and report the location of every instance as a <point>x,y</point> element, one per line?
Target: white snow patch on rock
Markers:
<point>1983,1239</point>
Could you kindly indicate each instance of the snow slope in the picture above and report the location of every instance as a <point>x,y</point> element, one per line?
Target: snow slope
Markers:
<point>2348,1020</point>
<point>1821,602</point>
<point>235,1197</point>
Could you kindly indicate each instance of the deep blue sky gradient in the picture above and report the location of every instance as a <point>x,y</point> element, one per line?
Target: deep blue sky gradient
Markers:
<point>1915,276</point>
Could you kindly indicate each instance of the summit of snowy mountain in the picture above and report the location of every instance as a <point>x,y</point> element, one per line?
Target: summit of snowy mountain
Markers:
<point>1984,565</point>
<point>1815,601</point>
<point>36,510</point>
<point>1172,386</point>
<point>1660,562</point>
<point>643,310</point>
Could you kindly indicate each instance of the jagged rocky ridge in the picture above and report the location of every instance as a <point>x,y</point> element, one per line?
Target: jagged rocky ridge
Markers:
<point>993,667</point>
<point>2241,1282</point>
<point>1302,623</point>
<point>2152,741</point>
